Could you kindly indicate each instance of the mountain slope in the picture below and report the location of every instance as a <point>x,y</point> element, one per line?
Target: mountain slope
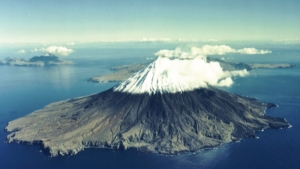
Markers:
<point>168,123</point>
<point>167,107</point>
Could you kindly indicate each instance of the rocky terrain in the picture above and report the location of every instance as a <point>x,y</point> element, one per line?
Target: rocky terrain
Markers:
<point>169,123</point>
<point>157,109</point>
<point>49,60</point>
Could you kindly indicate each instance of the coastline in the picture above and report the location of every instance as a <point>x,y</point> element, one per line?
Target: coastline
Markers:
<point>72,130</point>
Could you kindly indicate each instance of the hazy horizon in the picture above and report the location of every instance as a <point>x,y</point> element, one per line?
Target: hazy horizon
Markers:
<point>69,22</point>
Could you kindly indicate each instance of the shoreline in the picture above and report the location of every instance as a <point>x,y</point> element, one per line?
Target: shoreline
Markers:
<point>76,124</point>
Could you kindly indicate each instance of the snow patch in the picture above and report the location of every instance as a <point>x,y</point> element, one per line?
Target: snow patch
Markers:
<point>178,72</point>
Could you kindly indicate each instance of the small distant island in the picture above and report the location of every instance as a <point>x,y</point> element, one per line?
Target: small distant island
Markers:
<point>271,66</point>
<point>121,73</point>
<point>44,60</point>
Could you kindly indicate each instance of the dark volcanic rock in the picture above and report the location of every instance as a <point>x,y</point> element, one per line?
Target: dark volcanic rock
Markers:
<point>165,123</point>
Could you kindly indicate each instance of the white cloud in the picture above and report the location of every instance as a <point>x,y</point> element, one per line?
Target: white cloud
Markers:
<point>174,74</point>
<point>22,51</point>
<point>212,50</point>
<point>138,40</point>
<point>252,51</point>
<point>224,49</point>
<point>59,50</point>
<point>55,50</point>
<point>209,50</point>
<point>192,68</point>
<point>177,53</point>
<point>212,40</point>
<point>288,40</point>
<point>155,40</point>
<point>35,50</point>
<point>70,43</point>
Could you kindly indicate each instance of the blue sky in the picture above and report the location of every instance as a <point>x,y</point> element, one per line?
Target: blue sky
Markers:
<point>54,21</point>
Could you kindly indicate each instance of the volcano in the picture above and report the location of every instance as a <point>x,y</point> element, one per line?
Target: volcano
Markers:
<point>159,109</point>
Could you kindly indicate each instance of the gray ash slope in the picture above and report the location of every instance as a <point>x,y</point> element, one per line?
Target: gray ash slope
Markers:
<point>158,109</point>
<point>166,123</point>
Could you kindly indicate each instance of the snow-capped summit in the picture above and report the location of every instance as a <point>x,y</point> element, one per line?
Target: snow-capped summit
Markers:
<point>176,74</point>
<point>162,75</point>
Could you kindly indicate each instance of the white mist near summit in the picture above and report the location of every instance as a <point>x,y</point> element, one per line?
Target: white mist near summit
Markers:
<point>177,71</point>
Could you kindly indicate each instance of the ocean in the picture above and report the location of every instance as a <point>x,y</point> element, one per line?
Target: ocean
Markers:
<point>26,89</point>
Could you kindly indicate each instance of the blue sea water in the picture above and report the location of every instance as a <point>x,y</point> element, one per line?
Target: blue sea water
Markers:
<point>25,89</point>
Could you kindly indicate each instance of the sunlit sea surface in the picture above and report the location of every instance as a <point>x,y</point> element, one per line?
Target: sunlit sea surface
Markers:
<point>25,89</point>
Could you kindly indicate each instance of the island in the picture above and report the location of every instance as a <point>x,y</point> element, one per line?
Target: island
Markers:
<point>44,60</point>
<point>147,115</point>
<point>121,73</point>
<point>271,66</point>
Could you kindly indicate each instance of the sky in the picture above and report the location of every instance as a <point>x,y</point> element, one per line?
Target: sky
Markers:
<point>56,21</point>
